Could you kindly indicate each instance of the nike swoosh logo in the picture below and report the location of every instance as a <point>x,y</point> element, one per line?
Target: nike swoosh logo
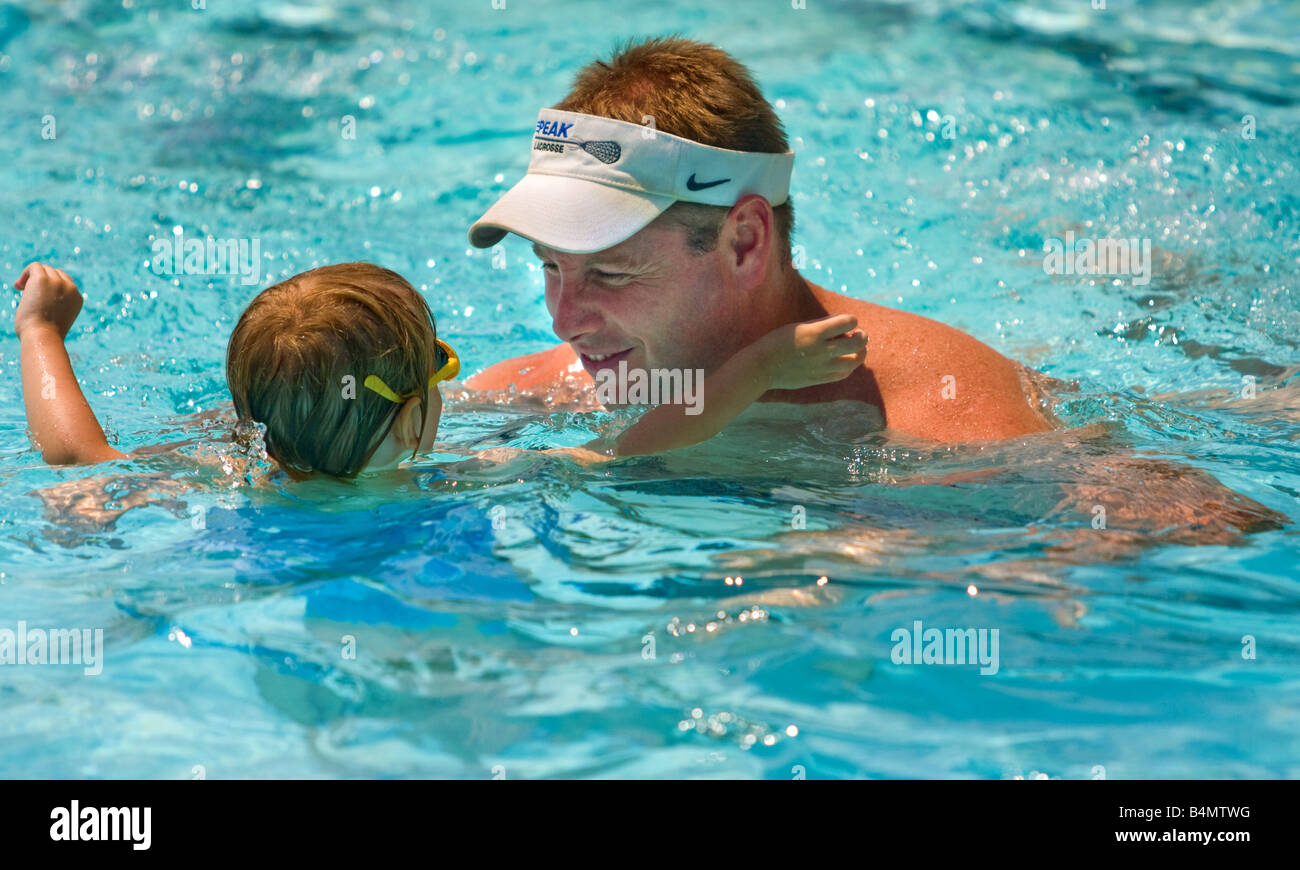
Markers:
<point>692,184</point>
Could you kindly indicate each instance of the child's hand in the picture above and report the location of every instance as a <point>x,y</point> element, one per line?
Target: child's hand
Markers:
<point>815,352</point>
<point>49,298</point>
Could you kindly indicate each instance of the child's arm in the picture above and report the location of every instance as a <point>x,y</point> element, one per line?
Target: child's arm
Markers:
<point>63,427</point>
<point>793,356</point>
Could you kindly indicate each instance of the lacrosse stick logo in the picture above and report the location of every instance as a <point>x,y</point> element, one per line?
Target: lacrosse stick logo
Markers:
<point>605,151</point>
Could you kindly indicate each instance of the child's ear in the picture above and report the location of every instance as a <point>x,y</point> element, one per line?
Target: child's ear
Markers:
<point>406,428</point>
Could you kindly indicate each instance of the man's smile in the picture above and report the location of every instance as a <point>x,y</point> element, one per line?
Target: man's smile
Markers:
<point>594,362</point>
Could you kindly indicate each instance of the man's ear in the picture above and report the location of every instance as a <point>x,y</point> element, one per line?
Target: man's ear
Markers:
<point>747,240</point>
<point>406,428</point>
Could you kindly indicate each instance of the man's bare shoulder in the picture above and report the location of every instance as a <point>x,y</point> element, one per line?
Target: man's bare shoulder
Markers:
<point>937,381</point>
<point>534,371</point>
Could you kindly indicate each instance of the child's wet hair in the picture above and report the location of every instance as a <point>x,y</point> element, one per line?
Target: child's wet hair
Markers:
<point>298,359</point>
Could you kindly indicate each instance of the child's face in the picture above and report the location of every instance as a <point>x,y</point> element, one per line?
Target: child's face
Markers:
<point>431,418</point>
<point>405,431</point>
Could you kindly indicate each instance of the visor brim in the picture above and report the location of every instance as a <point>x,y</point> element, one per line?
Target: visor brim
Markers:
<point>568,214</point>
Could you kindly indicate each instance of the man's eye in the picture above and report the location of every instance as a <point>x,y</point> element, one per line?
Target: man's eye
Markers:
<point>612,277</point>
<point>549,267</point>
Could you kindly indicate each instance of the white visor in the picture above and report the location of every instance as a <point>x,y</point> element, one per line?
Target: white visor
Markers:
<point>593,182</point>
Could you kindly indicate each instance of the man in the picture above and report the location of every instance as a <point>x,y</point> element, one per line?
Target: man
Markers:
<point>657,202</point>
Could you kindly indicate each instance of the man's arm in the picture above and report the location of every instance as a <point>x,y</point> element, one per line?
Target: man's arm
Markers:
<point>63,426</point>
<point>534,371</point>
<point>978,397</point>
<point>939,383</point>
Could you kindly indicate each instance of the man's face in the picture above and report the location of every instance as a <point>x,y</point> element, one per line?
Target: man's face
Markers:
<point>650,301</point>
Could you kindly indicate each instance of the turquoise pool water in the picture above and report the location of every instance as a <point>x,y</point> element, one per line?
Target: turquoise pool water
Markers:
<point>541,619</point>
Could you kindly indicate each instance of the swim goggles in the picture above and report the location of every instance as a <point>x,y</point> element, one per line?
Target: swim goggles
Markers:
<point>448,367</point>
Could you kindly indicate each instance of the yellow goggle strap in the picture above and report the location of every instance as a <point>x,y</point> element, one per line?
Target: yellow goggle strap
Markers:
<point>449,370</point>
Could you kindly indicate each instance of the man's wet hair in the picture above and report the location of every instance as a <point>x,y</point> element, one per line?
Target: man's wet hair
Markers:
<point>696,91</point>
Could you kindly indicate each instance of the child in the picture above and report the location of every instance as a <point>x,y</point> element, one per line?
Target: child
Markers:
<point>341,365</point>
